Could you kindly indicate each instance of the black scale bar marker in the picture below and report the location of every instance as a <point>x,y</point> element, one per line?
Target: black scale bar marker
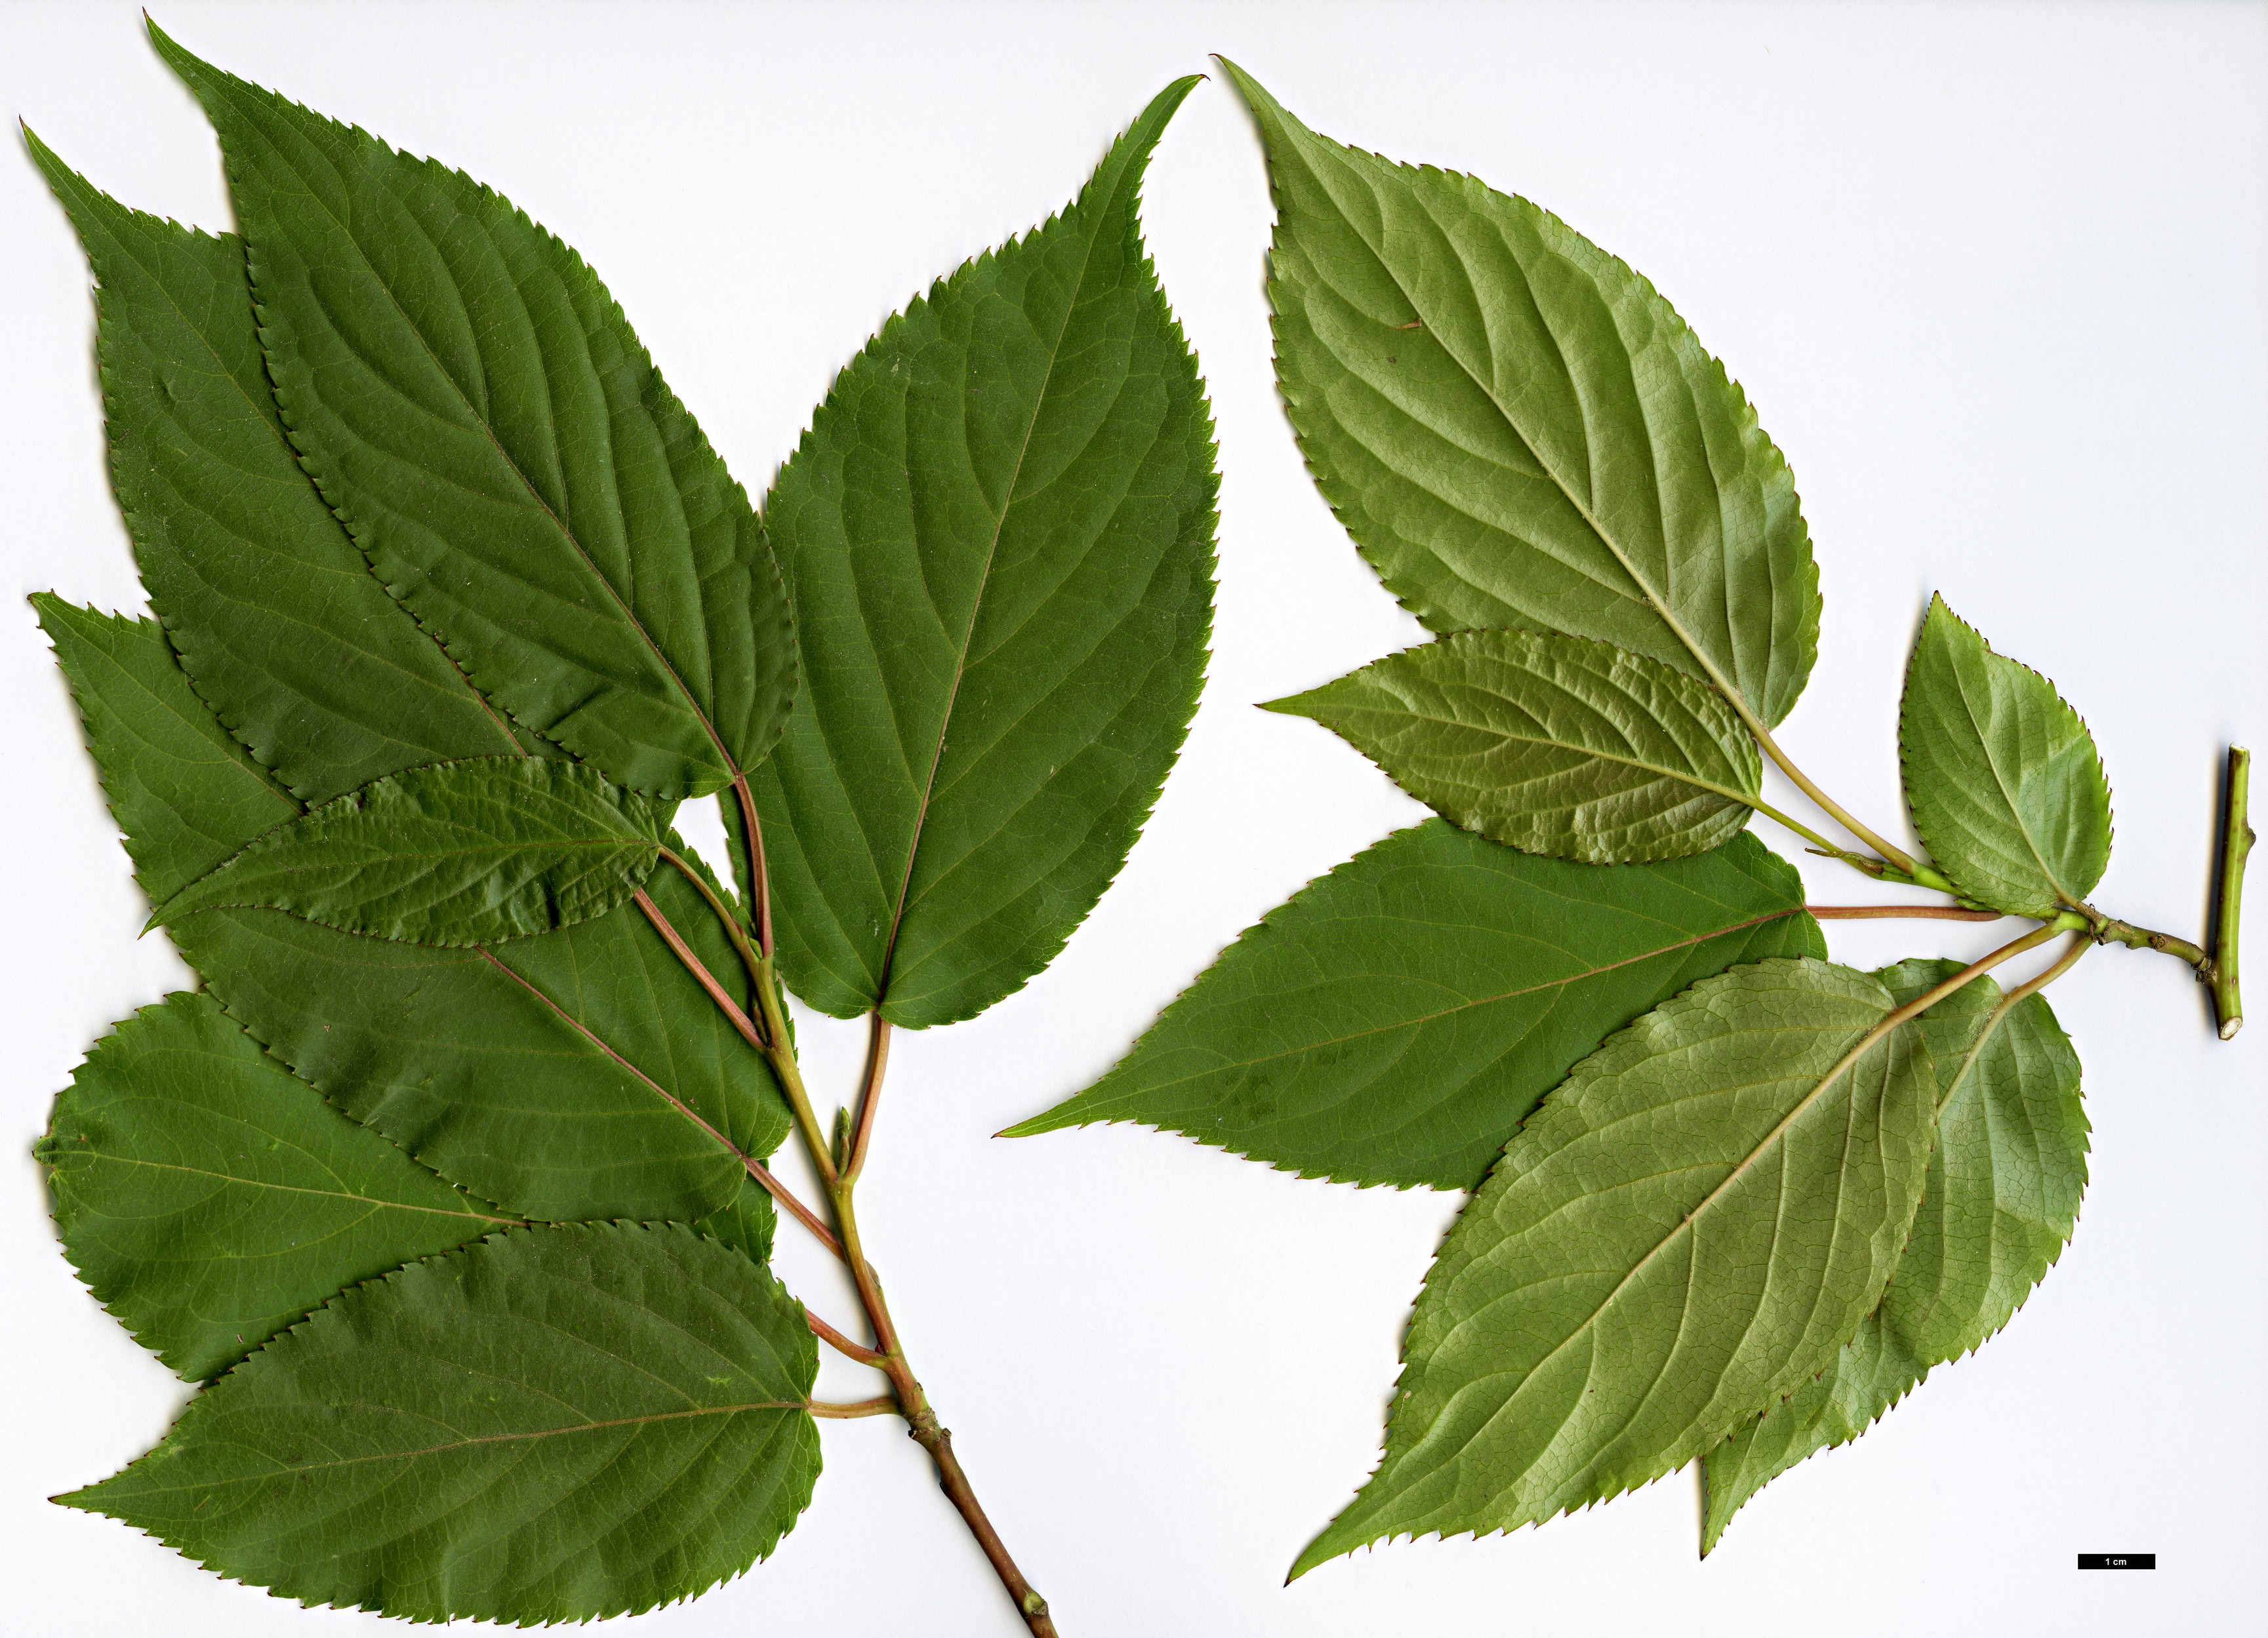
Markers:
<point>2118,1560</point>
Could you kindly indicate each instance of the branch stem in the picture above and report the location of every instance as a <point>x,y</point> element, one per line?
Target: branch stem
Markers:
<point>2236,839</point>
<point>888,1353</point>
<point>2108,930</point>
<point>1899,912</point>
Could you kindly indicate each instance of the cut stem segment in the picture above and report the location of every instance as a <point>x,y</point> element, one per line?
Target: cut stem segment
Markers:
<point>2236,839</point>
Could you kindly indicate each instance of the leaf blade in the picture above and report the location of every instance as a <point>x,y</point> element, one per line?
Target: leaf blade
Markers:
<point>208,1199</point>
<point>1396,1019</point>
<point>456,855</point>
<point>477,411</point>
<point>999,536</point>
<point>574,1075</point>
<point>1517,430</point>
<point>1550,744</point>
<point>641,1386</point>
<point>280,624</point>
<point>2011,1154</point>
<point>184,794</point>
<point>2002,776</point>
<point>1630,1283</point>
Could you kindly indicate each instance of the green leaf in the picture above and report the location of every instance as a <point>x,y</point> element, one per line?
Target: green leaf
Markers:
<point>747,1223</point>
<point>553,1425</point>
<point>1517,431</point>
<point>277,618</point>
<point>582,1074</point>
<point>477,411</point>
<point>1396,1019</point>
<point>1691,1225</point>
<point>1554,745</point>
<point>208,1199</point>
<point>999,533</point>
<point>458,855</point>
<point>579,1074</point>
<point>186,795</point>
<point>2002,776</point>
<point>2000,1205</point>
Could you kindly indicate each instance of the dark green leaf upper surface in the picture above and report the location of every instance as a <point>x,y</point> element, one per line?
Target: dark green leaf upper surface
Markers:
<point>1519,431</point>
<point>579,1074</point>
<point>273,609</point>
<point>552,1425</point>
<point>209,1199</point>
<point>458,853</point>
<point>1687,1229</point>
<point>186,796</point>
<point>999,533</point>
<point>478,413</point>
<point>2000,1204</point>
<point>1394,1022</point>
<point>2002,776</point>
<point>1551,743</point>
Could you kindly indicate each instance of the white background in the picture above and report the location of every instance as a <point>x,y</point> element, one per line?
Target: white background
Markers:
<point>1996,278</point>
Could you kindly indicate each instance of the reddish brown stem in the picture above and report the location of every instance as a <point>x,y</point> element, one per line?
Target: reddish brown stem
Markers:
<point>837,1341</point>
<point>1897,912</point>
<point>760,885</point>
<point>870,1091</point>
<point>694,965</point>
<point>793,1207</point>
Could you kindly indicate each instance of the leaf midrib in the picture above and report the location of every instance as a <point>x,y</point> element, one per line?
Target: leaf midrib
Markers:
<point>281,1473</point>
<point>976,606</point>
<point>1483,1001</point>
<point>288,1188</point>
<point>1992,761</point>
<point>1745,799</point>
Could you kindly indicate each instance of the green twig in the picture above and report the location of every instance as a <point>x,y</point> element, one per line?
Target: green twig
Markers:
<point>2236,839</point>
<point>2108,930</point>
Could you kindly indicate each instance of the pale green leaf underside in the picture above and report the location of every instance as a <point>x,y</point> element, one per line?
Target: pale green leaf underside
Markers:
<point>2005,789</point>
<point>456,855</point>
<point>1394,1021</point>
<point>475,409</point>
<point>208,1199</point>
<point>1551,743</point>
<point>277,618</point>
<point>578,1074</point>
<point>1519,431</point>
<point>1688,1227</point>
<point>552,1425</point>
<point>2001,1203</point>
<point>999,533</point>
